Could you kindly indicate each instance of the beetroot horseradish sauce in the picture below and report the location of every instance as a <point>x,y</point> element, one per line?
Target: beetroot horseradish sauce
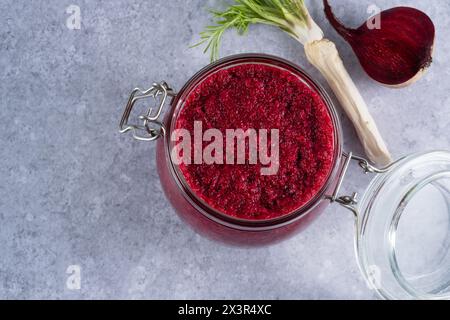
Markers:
<point>260,96</point>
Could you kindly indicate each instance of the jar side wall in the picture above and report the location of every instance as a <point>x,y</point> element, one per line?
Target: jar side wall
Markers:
<point>226,229</point>
<point>216,231</point>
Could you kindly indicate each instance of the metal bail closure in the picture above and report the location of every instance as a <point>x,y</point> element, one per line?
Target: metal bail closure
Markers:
<point>151,127</point>
<point>350,202</point>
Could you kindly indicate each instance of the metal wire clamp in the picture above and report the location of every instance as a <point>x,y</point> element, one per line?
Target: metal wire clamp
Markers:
<point>151,127</point>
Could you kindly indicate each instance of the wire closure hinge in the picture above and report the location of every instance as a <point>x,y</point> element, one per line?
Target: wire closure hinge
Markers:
<point>151,127</point>
<point>350,202</point>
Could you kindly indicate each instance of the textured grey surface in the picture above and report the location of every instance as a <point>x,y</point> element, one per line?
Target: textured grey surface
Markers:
<point>75,192</point>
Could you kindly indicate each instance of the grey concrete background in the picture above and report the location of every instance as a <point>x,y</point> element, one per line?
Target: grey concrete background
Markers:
<point>75,192</point>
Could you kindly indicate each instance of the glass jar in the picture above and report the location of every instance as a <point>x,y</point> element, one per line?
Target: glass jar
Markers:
<point>212,223</point>
<point>390,198</point>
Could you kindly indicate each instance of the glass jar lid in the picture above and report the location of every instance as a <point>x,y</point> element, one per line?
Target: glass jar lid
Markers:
<point>403,229</point>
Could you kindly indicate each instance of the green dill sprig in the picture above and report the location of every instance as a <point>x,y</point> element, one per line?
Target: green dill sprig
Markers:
<point>289,15</point>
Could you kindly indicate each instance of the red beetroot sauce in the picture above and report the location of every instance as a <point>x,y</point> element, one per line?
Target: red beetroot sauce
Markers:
<point>261,97</point>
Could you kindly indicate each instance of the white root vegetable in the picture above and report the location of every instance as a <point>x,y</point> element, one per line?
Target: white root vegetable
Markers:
<point>325,57</point>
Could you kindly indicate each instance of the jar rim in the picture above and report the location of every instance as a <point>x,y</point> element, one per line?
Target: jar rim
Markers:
<point>201,205</point>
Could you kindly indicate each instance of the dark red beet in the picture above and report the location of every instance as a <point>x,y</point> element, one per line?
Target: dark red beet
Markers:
<point>399,52</point>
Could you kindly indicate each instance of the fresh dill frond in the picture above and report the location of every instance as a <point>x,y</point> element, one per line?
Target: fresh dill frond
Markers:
<point>289,15</point>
